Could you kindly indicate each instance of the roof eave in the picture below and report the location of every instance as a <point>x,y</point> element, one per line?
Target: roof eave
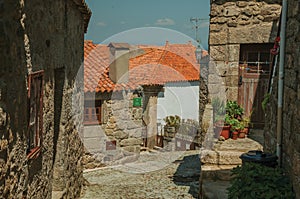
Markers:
<point>85,11</point>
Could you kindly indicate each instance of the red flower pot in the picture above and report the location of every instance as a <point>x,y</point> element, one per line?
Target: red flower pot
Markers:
<point>225,132</point>
<point>235,135</point>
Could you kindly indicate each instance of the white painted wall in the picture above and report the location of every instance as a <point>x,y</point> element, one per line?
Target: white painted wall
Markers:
<point>180,99</point>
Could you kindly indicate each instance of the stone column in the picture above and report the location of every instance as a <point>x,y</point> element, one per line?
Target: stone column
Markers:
<point>150,113</point>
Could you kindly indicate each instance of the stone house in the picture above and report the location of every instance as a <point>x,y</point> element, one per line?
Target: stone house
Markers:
<point>290,145</point>
<point>240,38</point>
<point>41,54</point>
<point>123,87</point>
<point>235,26</point>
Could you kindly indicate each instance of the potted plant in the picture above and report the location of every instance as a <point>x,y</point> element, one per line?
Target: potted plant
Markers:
<point>246,122</point>
<point>236,127</point>
<point>234,110</point>
<point>220,118</point>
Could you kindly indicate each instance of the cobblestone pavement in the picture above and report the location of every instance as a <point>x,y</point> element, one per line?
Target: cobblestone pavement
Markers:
<point>160,175</point>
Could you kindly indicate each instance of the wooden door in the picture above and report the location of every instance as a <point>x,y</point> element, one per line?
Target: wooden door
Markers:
<point>252,89</point>
<point>254,72</point>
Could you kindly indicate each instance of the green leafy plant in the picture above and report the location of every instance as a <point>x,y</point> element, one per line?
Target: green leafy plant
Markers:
<point>255,181</point>
<point>265,101</point>
<point>234,110</point>
<point>236,125</point>
<point>173,121</point>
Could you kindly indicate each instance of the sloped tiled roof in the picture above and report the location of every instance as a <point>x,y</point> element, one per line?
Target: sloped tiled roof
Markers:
<point>156,65</point>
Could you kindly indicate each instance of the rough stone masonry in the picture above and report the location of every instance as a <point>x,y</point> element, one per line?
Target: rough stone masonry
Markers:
<point>291,101</point>
<point>45,36</point>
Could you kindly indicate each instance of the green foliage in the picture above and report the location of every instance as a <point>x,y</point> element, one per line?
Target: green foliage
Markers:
<point>265,101</point>
<point>236,125</point>
<point>172,120</point>
<point>255,181</point>
<point>234,110</point>
<point>231,113</point>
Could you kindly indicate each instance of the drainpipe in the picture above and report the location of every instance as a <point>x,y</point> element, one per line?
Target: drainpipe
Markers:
<point>280,82</point>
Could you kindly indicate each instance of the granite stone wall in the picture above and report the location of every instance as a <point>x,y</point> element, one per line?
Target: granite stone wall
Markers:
<point>291,103</point>
<point>41,35</point>
<point>121,125</point>
<point>233,23</point>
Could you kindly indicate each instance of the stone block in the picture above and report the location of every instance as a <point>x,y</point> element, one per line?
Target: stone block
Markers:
<point>135,133</point>
<point>231,80</point>
<point>93,144</point>
<point>222,68</point>
<point>218,37</point>
<point>216,172</point>
<point>133,125</point>
<point>258,33</point>
<point>232,93</point>
<point>216,89</point>
<point>218,52</point>
<point>132,149</point>
<point>93,131</point>
<point>109,132</point>
<point>232,23</point>
<point>219,20</point>
<point>241,4</point>
<point>221,157</point>
<point>112,119</point>
<point>214,79</point>
<point>130,142</point>
<point>120,135</point>
<point>214,28</point>
<point>122,124</point>
<point>230,11</point>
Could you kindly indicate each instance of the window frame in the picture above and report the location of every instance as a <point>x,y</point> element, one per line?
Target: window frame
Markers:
<point>90,114</point>
<point>35,96</point>
<point>257,66</point>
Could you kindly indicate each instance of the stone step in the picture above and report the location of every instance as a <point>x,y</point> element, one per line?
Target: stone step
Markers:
<point>240,145</point>
<point>221,157</point>
<point>214,189</point>
<point>216,172</point>
<point>214,181</point>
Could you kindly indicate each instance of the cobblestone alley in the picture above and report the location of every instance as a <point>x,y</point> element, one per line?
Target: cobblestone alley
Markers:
<point>154,175</point>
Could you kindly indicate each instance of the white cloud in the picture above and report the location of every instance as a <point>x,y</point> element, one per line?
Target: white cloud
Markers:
<point>164,22</point>
<point>101,23</point>
<point>123,22</point>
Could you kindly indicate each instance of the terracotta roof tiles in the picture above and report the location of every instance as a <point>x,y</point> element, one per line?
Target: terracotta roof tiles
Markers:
<point>154,65</point>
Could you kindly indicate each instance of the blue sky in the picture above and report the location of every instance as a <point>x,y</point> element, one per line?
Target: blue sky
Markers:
<point>147,21</point>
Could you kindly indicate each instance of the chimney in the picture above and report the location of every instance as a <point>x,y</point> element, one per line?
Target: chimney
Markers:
<point>119,62</point>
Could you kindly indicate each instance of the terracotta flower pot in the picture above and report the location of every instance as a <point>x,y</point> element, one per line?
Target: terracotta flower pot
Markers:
<point>225,132</point>
<point>242,134</point>
<point>246,129</point>
<point>235,135</point>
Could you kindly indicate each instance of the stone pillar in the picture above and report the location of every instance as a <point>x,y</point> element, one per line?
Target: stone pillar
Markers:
<point>150,113</point>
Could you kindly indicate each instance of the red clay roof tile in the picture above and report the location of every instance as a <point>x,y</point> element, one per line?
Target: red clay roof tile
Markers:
<point>156,65</point>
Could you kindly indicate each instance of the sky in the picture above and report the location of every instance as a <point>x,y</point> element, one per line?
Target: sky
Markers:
<point>148,21</point>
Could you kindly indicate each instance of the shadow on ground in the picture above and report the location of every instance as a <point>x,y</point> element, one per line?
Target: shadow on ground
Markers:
<point>188,173</point>
<point>257,135</point>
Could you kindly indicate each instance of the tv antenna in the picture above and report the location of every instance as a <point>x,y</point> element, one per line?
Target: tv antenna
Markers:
<point>195,21</point>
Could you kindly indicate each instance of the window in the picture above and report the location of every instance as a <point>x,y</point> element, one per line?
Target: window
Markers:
<point>92,111</point>
<point>256,58</point>
<point>35,114</point>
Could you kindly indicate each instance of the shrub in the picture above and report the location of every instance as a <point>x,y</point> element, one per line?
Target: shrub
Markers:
<point>255,181</point>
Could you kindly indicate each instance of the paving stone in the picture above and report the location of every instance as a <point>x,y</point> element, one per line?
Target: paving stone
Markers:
<point>165,175</point>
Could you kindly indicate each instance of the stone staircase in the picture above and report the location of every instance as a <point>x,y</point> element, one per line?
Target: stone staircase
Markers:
<point>217,163</point>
